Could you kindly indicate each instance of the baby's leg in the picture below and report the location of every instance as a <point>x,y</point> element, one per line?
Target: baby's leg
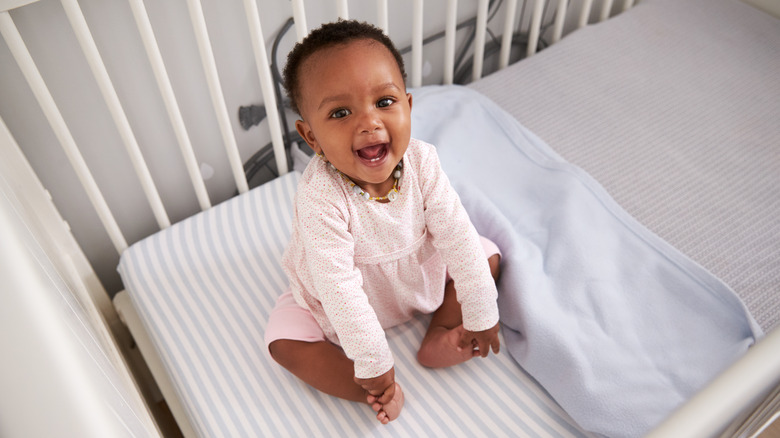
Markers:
<point>325,367</point>
<point>322,365</point>
<point>440,345</point>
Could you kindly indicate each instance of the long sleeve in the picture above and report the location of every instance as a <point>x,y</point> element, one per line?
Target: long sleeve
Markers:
<point>337,283</point>
<point>458,242</point>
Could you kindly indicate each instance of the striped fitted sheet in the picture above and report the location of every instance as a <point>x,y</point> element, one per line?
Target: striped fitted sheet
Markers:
<point>204,289</point>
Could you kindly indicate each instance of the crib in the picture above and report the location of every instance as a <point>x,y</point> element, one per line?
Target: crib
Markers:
<point>175,259</point>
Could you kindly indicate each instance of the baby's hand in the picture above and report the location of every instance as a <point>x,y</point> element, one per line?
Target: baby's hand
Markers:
<point>483,341</point>
<point>381,388</point>
<point>384,395</point>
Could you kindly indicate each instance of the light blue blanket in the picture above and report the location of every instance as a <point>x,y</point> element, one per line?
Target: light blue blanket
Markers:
<point>617,325</point>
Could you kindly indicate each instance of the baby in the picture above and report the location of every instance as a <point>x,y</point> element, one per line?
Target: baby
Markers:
<point>378,232</point>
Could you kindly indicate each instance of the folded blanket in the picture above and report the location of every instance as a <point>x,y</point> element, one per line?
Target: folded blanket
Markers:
<point>616,324</point>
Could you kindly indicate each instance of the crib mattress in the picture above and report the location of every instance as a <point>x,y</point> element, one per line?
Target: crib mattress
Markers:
<point>673,107</point>
<point>204,289</point>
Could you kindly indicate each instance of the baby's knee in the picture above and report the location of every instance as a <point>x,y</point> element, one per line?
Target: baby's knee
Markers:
<point>282,351</point>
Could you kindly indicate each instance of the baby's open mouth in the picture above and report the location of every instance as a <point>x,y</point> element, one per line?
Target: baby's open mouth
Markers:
<point>373,153</point>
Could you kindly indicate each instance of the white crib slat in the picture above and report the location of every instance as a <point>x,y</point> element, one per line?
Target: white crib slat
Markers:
<point>382,17</point>
<point>88,46</point>
<point>587,5</point>
<point>560,17</point>
<point>266,84</point>
<point>479,40</point>
<point>536,24</point>
<point>449,41</point>
<point>627,4</point>
<point>417,43</point>
<point>343,9</point>
<point>46,101</point>
<point>506,38</point>
<point>215,89</point>
<point>169,99</point>
<point>606,8</point>
<point>299,17</point>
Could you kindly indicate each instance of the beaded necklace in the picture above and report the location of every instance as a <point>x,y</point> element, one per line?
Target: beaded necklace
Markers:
<point>391,196</point>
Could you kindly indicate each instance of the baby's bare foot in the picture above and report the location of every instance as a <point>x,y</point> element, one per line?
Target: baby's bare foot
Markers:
<point>389,411</point>
<point>440,348</point>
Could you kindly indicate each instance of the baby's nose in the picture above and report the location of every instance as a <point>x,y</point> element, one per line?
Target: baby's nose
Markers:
<point>370,123</point>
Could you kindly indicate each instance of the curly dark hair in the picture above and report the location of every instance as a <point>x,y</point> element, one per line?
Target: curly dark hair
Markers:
<point>329,35</point>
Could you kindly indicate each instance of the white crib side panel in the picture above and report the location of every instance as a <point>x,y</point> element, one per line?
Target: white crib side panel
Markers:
<point>52,291</point>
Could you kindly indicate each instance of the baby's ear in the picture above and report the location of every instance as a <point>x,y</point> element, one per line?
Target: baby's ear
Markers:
<point>307,134</point>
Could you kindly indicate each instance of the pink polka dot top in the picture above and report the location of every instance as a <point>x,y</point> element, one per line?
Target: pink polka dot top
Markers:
<point>361,266</point>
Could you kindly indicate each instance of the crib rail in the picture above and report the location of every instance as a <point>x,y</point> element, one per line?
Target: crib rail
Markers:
<point>538,9</point>
<point>744,385</point>
<point>46,101</point>
<point>169,98</point>
<point>89,47</point>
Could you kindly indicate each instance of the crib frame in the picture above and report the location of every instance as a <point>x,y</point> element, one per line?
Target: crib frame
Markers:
<point>722,408</point>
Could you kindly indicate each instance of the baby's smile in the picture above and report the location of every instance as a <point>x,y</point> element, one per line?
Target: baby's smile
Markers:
<point>373,153</point>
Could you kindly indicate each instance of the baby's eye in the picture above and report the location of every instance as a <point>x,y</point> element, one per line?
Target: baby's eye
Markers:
<point>339,113</point>
<point>385,102</point>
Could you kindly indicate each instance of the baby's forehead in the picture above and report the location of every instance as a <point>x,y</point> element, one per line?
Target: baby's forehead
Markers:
<point>340,61</point>
<point>355,47</point>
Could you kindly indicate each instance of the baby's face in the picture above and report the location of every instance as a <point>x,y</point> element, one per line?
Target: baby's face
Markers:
<point>356,111</point>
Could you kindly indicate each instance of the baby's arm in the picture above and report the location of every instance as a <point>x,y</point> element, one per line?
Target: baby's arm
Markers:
<point>459,244</point>
<point>381,388</point>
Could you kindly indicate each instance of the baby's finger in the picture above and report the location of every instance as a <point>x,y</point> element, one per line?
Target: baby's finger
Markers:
<point>496,346</point>
<point>484,350</point>
<point>387,395</point>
